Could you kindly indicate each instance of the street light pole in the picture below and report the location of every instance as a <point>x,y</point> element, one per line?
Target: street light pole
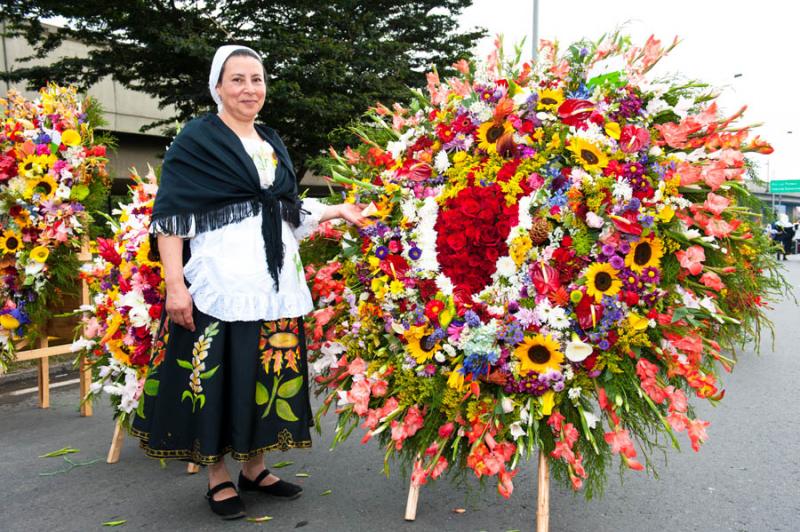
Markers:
<point>535,43</point>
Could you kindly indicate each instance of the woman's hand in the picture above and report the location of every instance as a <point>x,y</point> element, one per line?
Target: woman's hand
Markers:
<point>179,306</point>
<point>352,212</point>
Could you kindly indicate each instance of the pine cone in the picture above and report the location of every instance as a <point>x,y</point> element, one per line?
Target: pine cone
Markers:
<point>540,231</point>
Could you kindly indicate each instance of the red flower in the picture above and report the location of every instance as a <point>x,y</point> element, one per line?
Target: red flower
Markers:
<point>574,112</point>
<point>633,138</point>
<point>106,249</point>
<point>433,309</point>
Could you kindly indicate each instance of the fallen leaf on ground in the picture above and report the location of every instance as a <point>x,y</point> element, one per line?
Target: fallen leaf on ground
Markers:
<point>60,452</point>
<point>302,475</point>
<point>262,519</point>
<point>115,523</point>
<point>326,492</point>
<point>282,464</point>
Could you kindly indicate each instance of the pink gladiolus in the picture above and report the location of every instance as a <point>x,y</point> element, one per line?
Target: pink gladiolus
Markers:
<point>556,420</point>
<point>563,451</point>
<point>439,468</point>
<point>462,66</point>
<point>419,477</point>
<point>719,228</point>
<point>359,396</point>
<point>633,464</point>
<point>712,280</point>
<point>357,367</point>
<point>678,421</point>
<point>446,430</point>
<point>692,259</point>
<point>413,421</point>
<point>620,442</point>
<point>379,388</point>
<point>697,432</point>
<point>716,204</point>
<point>505,486</point>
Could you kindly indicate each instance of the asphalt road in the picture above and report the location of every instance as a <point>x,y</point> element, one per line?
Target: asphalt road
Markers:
<point>746,477</point>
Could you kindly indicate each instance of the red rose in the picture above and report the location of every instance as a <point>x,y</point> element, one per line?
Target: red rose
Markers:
<point>456,241</point>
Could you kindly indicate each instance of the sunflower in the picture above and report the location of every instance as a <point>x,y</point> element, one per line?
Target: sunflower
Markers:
<point>644,254</point>
<point>44,185</point>
<point>550,99</point>
<point>538,353</point>
<point>420,344</point>
<point>10,242</point>
<point>490,132</point>
<point>602,280</point>
<point>32,165</point>
<point>588,155</point>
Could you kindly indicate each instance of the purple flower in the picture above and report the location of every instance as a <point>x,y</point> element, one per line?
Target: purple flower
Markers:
<point>609,250</point>
<point>382,252</point>
<point>414,253</point>
<point>617,262</point>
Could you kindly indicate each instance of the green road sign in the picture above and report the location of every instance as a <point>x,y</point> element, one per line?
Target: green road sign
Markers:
<point>784,186</point>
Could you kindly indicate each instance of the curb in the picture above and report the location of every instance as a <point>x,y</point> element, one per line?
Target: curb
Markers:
<point>33,374</point>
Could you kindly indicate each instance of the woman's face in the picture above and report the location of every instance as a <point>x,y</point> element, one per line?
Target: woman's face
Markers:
<point>242,87</point>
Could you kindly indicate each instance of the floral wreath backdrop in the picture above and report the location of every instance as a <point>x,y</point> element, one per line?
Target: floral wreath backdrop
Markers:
<point>562,254</point>
<point>52,175</point>
<point>120,326</point>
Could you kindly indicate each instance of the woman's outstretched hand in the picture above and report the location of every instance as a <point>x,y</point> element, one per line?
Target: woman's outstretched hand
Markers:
<point>353,213</point>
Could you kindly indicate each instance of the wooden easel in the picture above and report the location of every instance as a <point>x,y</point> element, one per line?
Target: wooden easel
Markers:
<point>542,495</point>
<point>44,351</point>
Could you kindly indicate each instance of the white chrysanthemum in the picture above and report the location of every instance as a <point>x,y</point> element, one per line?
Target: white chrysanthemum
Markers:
<point>622,190</point>
<point>525,219</point>
<point>506,267</point>
<point>444,284</point>
<point>426,235</point>
<point>558,319</point>
<point>441,162</point>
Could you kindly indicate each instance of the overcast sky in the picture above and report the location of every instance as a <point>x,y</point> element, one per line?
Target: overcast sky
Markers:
<point>719,39</point>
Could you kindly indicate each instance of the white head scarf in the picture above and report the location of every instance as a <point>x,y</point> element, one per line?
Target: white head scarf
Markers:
<point>223,52</point>
<point>783,220</point>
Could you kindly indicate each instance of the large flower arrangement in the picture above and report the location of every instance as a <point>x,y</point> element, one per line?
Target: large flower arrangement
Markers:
<point>562,254</point>
<point>119,327</point>
<point>52,171</point>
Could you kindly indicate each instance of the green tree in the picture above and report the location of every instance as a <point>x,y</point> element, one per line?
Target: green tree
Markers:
<point>326,62</point>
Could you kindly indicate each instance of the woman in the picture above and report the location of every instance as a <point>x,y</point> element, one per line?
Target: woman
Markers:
<point>230,367</point>
<point>784,234</point>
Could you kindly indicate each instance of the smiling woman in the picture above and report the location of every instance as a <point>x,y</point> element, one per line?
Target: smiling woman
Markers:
<point>231,374</point>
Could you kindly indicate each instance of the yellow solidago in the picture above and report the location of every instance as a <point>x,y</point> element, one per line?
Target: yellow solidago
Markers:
<point>519,248</point>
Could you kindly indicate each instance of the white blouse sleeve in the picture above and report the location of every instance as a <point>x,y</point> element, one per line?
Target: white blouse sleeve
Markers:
<point>309,222</point>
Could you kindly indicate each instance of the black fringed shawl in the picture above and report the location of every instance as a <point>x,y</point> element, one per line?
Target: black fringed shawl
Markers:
<point>209,180</point>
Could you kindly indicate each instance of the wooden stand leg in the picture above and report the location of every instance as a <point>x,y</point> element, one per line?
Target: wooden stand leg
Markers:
<point>86,381</point>
<point>116,443</point>
<point>192,468</point>
<point>44,377</point>
<point>411,503</point>
<point>543,495</point>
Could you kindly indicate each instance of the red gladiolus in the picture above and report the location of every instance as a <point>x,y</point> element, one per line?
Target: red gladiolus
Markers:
<point>106,249</point>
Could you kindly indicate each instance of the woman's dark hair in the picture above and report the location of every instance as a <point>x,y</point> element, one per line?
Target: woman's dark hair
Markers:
<point>241,53</point>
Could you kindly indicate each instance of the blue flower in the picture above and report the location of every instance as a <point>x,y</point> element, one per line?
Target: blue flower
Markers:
<point>382,252</point>
<point>414,253</point>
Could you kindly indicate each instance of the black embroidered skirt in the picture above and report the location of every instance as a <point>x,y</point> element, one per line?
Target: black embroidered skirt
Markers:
<point>229,387</point>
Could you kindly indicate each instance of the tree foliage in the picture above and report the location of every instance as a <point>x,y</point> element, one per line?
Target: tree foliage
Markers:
<point>326,62</point>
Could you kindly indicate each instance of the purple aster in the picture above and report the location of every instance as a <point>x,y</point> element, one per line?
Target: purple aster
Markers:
<point>414,253</point>
<point>382,252</point>
<point>617,262</point>
<point>609,250</point>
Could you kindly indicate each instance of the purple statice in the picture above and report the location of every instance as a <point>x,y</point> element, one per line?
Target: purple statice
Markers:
<point>558,199</point>
<point>472,319</point>
<point>438,334</point>
<point>629,107</point>
<point>646,220</point>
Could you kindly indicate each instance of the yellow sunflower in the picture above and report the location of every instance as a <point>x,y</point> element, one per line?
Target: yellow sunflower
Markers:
<point>420,344</point>
<point>490,132</point>
<point>35,165</point>
<point>550,99</point>
<point>588,155</point>
<point>602,280</point>
<point>10,242</point>
<point>538,353</point>
<point>44,185</point>
<point>645,254</point>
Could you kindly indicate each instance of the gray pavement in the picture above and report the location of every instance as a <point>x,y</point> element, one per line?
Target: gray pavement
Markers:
<point>746,477</point>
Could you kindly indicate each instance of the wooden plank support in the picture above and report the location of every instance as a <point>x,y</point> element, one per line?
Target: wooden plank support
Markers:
<point>44,376</point>
<point>116,443</point>
<point>43,352</point>
<point>543,494</point>
<point>412,501</point>
<point>86,382</point>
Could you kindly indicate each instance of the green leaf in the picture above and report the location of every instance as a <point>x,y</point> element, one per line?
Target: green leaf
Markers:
<point>186,394</point>
<point>185,364</point>
<point>140,408</point>
<point>151,387</point>
<point>115,523</point>
<point>284,410</point>
<point>262,519</point>
<point>279,465</point>
<point>326,492</point>
<point>202,398</point>
<point>262,396</point>
<point>302,475</point>
<point>79,192</point>
<point>60,452</point>
<point>290,388</point>
<point>210,373</point>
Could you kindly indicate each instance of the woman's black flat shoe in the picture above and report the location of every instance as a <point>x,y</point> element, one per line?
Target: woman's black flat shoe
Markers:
<point>232,508</point>
<point>281,489</point>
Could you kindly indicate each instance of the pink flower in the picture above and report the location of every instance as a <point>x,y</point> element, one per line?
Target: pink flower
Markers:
<point>379,388</point>
<point>357,367</point>
<point>439,468</point>
<point>505,486</point>
<point>419,477</point>
<point>692,259</point>
<point>359,396</point>
<point>462,66</point>
<point>697,432</point>
<point>712,280</point>
<point>446,430</point>
<point>563,451</point>
<point>716,204</point>
<point>720,228</point>
<point>413,421</point>
<point>620,442</point>
<point>677,421</point>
